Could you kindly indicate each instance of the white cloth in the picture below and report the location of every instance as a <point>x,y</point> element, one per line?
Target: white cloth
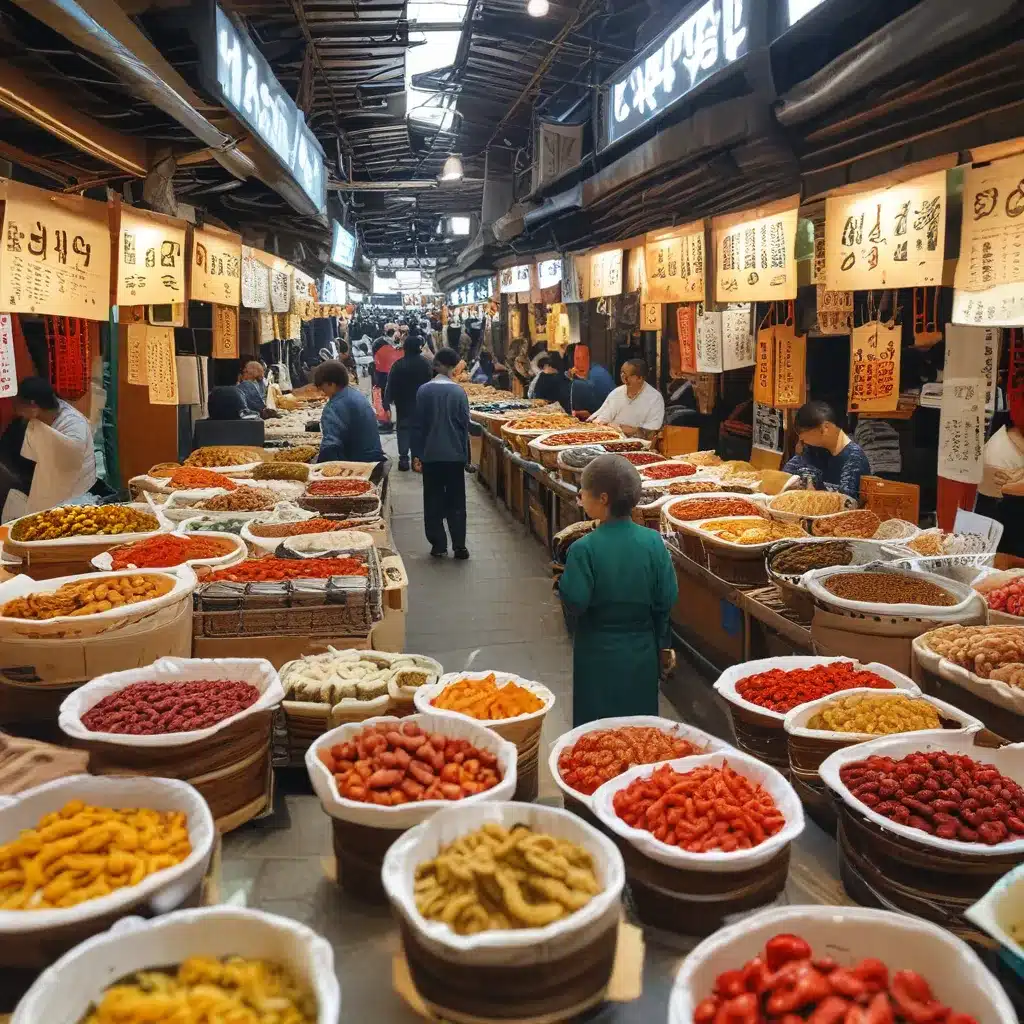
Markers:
<point>645,412</point>
<point>1004,454</point>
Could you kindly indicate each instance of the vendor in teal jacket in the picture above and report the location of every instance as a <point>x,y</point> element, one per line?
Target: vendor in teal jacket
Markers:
<point>619,586</point>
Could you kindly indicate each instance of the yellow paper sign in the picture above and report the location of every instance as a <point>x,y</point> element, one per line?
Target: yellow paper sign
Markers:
<point>216,266</point>
<point>650,318</point>
<point>764,367</point>
<point>790,368</point>
<point>136,353</point>
<point>992,235</point>
<point>225,332</point>
<point>55,257</point>
<point>835,311</point>
<point>874,368</point>
<point>675,264</point>
<point>150,258</point>
<point>303,294</point>
<point>755,260</point>
<point>606,273</point>
<point>161,366</point>
<point>892,238</point>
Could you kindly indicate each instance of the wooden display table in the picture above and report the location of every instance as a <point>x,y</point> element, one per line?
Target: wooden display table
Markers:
<point>771,628</point>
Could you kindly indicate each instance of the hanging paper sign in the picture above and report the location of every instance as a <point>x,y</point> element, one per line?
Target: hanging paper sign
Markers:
<point>818,266</point>
<point>563,336</point>
<point>636,270</point>
<point>892,238</point>
<point>8,371</point>
<point>755,258</point>
<point>549,273</point>
<point>303,295</point>
<point>650,316</point>
<point>225,332</point>
<point>514,279</point>
<point>764,366</point>
<point>737,338</point>
<point>161,366</point>
<point>55,257</point>
<point>835,311</point>
<point>790,367</point>
<point>267,332</point>
<point>216,266</point>
<point>255,281</point>
<point>769,428</point>
<point>874,368</point>
<point>515,322</point>
<point>280,287</point>
<point>67,340</point>
<point>686,333</point>
<point>575,278</point>
<point>709,343</point>
<point>150,258</point>
<point>1001,306</point>
<point>992,234</point>
<point>606,274</point>
<point>962,429</point>
<point>674,262</point>
<point>972,352</point>
<point>573,312</point>
<point>136,351</point>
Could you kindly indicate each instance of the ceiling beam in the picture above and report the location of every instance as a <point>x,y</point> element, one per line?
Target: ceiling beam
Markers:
<point>400,186</point>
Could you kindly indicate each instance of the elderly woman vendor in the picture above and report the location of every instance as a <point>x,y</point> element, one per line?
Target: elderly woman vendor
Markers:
<point>619,586</point>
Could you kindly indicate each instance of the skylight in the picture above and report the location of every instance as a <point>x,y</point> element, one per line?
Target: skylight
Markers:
<point>430,49</point>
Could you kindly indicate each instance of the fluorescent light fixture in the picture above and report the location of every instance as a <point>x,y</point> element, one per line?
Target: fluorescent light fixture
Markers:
<point>452,170</point>
<point>537,8</point>
<point>459,225</point>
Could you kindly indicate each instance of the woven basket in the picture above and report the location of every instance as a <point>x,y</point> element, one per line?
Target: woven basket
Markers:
<point>1001,721</point>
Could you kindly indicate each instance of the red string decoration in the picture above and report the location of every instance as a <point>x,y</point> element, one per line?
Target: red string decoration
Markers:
<point>1015,378</point>
<point>67,340</point>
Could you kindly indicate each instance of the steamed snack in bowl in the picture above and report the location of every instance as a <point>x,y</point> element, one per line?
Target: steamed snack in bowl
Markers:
<point>808,503</point>
<point>990,652</point>
<point>483,699</point>
<point>83,521</point>
<point>499,878</point>
<point>877,716</point>
<point>750,531</point>
<point>861,522</point>
<point>88,596</point>
<point>358,675</point>
<point>224,455</point>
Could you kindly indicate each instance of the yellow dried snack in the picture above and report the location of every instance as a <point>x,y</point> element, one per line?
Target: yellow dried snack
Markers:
<point>224,455</point>
<point>88,596</point>
<point>83,521</point>
<point>204,990</point>
<point>750,530</point>
<point>83,852</point>
<point>879,716</point>
<point>300,453</point>
<point>499,878</point>
<point>279,470</point>
<point>808,503</point>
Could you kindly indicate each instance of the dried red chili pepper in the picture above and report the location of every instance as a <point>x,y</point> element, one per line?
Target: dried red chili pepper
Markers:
<point>270,570</point>
<point>338,488</point>
<point>668,471</point>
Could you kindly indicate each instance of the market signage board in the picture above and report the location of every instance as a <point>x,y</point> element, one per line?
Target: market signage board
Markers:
<point>973,352</point>
<point>606,274</point>
<point>755,254</point>
<point>161,366</point>
<point>769,428</point>
<point>150,259</point>
<point>874,382</point>
<point>343,246</point>
<point>705,38</point>
<point>255,280</point>
<point>303,294</point>
<point>687,315</point>
<point>225,332</point>
<point>239,76</point>
<point>1001,306</point>
<point>334,290</point>
<point>549,273</point>
<point>575,278</point>
<point>675,264</point>
<point>216,266</point>
<point>135,346</point>
<point>891,238</point>
<point>962,429</point>
<point>515,279</point>
<point>55,256</point>
<point>8,370</point>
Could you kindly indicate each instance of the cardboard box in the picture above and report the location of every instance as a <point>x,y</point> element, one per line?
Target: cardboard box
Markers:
<point>276,649</point>
<point>389,634</point>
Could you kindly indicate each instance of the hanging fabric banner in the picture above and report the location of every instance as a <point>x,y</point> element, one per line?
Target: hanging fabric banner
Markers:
<point>514,279</point>
<point>575,278</point>
<point>67,340</point>
<point>790,365</point>
<point>225,332</point>
<point>1001,306</point>
<point>686,335</point>
<point>216,266</point>
<point>962,429</point>
<point>890,238</point>
<point>8,370</point>
<point>874,368</point>
<point>280,287</point>
<point>755,254</point>
<point>972,352</point>
<point>709,343</point>
<point>606,274</point>
<point>55,257</point>
<point>769,428</point>
<point>303,294</point>
<point>992,235</point>
<point>574,324</point>
<point>674,261</point>
<point>136,349</point>
<point>650,317</point>
<point>161,366</point>
<point>764,366</point>
<point>835,311</point>
<point>737,337</point>
<point>150,258</point>
<point>255,281</point>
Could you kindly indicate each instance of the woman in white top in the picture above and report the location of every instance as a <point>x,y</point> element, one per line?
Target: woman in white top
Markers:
<point>636,408</point>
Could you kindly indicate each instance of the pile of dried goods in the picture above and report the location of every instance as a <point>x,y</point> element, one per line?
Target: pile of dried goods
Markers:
<point>781,690</point>
<point>498,878</point>
<point>702,459</point>
<point>168,549</point>
<point>888,588</point>
<point>304,526</point>
<point>950,796</point>
<point>279,470</point>
<point>788,985</point>
<point>935,542</point>
<point>391,764</point>
<point>208,525</point>
<point>222,455</point>
<point>605,754</point>
<point>801,558</point>
<point>641,458</point>
<point>751,531</point>
<point>342,675</point>
<point>895,529</point>
<point>542,421</point>
<point>151,709</point>
<point>991,652</point>
<point>879,716</point>
<point>579,458</point>
<point>584,436</point>
<point>338,488</point>
<point>711,508</point>
<point>300,453</point>
<point>83,521</point>
<point>88,597</point>
<point>193,478</point>
<point>808,503</point>
<point>334,469</point>
<point>1008,598</point>
<point>679,808</point>
<point>860,522</point>
<point>244,499</point>
<point>273,570</point>
<point>623,445</point>
<point>485,699</point>
<point>692,487</point>
<point>667,470</point>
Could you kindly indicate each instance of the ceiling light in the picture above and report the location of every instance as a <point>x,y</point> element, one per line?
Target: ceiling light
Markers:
<point>452,170</point>
<point>537,8</point>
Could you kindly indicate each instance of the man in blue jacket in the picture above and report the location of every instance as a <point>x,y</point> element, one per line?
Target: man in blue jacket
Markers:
<point>442,444</point>
<point>348,424</point>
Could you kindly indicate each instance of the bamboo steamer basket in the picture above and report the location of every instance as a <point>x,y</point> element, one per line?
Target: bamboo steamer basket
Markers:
<point>547,455</point>
<point>523,730</point>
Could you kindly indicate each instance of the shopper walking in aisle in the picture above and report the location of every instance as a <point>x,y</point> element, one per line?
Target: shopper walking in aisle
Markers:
<point>442,444</point>
<point>636,408</point>
<point>619,587</point>
<point>404,380</point>
<point>348,424</point>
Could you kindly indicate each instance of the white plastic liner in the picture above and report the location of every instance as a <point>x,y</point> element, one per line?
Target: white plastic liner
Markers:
<point>336,540</point>
<point>1000,910</point>
<point>257,672</point>
<point>408,815</point>
<point>1009,760</point>
<point>703,740</point>
<point>726,683</point>
<point>425,694</point>
<point>164,889</point>
<point>849,934</point>
<point>63,993</point>
<point>514,947</point>
<point>714,861</point>
<point>105,559</point>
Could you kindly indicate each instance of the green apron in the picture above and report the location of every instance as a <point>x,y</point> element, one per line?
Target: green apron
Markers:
<point>620,585</point>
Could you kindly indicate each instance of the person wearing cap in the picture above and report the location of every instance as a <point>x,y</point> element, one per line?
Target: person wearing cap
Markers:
<point>404,380</point>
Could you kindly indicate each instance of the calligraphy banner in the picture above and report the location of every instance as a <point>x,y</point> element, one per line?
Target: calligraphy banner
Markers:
<point>1000,306</point>
<point>764,367</point>
<point>55,257</point>
<point>992,233</point>
<point>835,311</point>
<point>575,278</point>
<point>8,369</point>
<point>769,428</point>
<point>755,258</point>
<point>686,335</point>
<point>650,316</point>
<point>225,332</point>
<point>874,368</point>
<point>137,353</point>
<point>150,258</point>
<point>514,279</point>
<point>962,429</point>
<point>255,280</point>
<point>674,262</point>
<point>737,338</point>
<point>606,274</point>
<point>280,287</point>
<point>790,367</point>
<point>161,366</point>
<point>972,352</point>
<point>303,294</point>
<point>891,238</point>
<point>709,343</point>
<point>216,266</point>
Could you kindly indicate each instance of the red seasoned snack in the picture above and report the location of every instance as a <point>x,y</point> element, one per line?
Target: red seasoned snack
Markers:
<point>668,470</point>
<point>605,754</point>
<point>787,984</point>
<point>585,435</point>
<point>641,458</point>
<point>338,488</point>
<point>782,691</point>
<point>398,763</point>
<point>699,811</point>
<point>149,709</point>
<point>1008,598</point>
<point>168,549</point>
<point>712,508</point>
<point>273,570</point>
<point>951,796</point>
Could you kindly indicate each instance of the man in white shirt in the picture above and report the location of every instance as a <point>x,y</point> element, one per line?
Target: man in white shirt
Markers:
<point>636,408</point>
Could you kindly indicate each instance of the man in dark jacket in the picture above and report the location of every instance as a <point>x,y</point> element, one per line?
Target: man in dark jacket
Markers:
<point>404,380</point>
<point>442,443</point>
<point>348,424</point>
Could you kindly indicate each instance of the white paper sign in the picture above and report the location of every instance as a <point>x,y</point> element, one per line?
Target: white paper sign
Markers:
<point>962,429</point>
<point>973,352</point>
<point>8,373</point>
<point>515,279</point>
<point>255,282</point>
<point>549,273</point>
<point>737,338</point>
<point>575,286</point>
<point>709,343</point>
<point>1001,306</point>
<point>768,428</point>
